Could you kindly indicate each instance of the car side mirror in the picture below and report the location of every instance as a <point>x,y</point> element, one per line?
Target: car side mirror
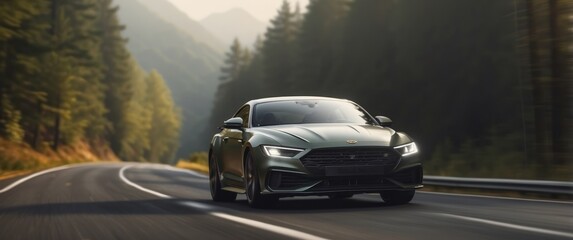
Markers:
<point>384,121</point>
<point>233,123</point>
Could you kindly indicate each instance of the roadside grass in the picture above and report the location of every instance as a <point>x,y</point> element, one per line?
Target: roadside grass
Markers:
<point>193,166</point>
<point>19,158</point>
<point>197,162</point>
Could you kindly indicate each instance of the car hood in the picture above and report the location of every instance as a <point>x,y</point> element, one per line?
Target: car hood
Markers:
<point>329,135</point>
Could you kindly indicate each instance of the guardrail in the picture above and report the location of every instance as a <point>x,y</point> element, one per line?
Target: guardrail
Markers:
<point>533,186</point>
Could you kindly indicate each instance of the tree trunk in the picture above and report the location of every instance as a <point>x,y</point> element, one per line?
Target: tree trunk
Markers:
<point>562,102</point>
<point>541,80</point>
<point>57,123</point>
<point>57,116</point>
<point>37,138</point>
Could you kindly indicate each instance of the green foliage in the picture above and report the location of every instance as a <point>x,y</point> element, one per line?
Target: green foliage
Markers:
<point>165,120</point>
<point>481,157</point>
<point>447,72</point>
<point>317,45</point>
<point>280,46</point>
<point>10,121</point>
<point>237,59</point>
<point>66,76</point>
<point>190,68</point>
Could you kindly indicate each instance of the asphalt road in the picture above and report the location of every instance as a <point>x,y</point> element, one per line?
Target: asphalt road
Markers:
<point>137,201</point>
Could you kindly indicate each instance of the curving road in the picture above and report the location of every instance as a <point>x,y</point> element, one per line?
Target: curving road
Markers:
<point>142,201</point>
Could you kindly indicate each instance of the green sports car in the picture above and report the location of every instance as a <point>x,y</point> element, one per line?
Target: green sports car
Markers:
<point>298,146</point>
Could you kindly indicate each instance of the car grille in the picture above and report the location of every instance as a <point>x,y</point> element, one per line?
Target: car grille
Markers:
<point>353,183</point>
<point>316,160</point>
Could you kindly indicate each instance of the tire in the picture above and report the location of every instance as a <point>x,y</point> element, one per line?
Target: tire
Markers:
<point>253,187</point>
<point>397,197</point>
<point>218,194</point>
<point>340,196</point>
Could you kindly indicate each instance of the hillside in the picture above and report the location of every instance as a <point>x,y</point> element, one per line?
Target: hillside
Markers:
<point>234,23</point>
<point>170,13</point>
<point>190,68</point>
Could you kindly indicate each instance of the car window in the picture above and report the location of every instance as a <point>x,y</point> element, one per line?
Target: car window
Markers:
<point>311,111</point>
<point>244,114</point>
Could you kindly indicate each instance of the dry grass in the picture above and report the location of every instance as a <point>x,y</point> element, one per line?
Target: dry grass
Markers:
<point>198,161</point>
<point>19,158</point>
<point>203,168</point>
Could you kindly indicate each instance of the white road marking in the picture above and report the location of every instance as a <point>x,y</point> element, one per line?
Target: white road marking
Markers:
<point>196,205</point>
<point>261,225</point>
<point>124,179</point>
<point>265,226</point>
<point>509,225</point>
<point>493,197</point>
<point>16,183</point>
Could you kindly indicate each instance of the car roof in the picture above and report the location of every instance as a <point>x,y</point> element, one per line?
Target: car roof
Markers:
<point>291,98</point>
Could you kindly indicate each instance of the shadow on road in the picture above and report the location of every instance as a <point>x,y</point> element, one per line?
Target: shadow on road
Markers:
<point>174,206</point>
<point>143,207</point>
<point>315,205</point>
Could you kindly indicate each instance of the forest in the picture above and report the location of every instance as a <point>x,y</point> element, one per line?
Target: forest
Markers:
<point>484,87</point>
<point>67,78</point>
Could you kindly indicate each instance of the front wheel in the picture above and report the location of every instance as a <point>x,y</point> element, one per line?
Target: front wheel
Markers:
<point>253,188</point>
<point>218,194</point>
<point>397,197</point>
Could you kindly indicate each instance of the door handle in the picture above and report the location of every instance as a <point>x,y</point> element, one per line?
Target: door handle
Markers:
<point>225,139</point>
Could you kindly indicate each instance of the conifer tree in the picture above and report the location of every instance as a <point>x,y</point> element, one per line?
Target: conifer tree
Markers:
<point>234,63</point>
<point>319,35</point>
<point>165,120</point>
<point>118,77</point>
<point>279,47</point>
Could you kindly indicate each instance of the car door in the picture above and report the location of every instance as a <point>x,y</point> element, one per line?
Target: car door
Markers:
<point>232,150</point>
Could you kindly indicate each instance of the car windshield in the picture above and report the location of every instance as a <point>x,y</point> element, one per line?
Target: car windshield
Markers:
<point>309,111</point>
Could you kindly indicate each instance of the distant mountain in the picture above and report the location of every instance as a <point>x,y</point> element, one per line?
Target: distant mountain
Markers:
<point>234,23</point>
<point>189,67</point>
<point>173,15</point>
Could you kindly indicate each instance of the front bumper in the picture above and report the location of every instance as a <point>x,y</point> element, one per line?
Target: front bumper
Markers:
<point>290,177</point>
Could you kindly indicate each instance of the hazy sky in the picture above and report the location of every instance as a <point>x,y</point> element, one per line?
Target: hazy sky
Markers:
<point>263,10</point>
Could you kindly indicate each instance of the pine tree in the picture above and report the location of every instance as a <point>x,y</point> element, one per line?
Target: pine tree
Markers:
<point>165,120</point>
<point>550,37</point>
<point>88,116</point>
<point>365,51</point>
<point>66,75</point>
<point>317,41</point>
<point>23,35</point>
<point>234,63</point>
<point>279,48</point>
<point>118,77</point>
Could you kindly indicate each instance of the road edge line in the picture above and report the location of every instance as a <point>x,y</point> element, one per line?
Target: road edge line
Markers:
<point>268,227</point>
<point>245,221</point>
<point>509,225</point>
<point>130,183</point>
<point>24,179</point>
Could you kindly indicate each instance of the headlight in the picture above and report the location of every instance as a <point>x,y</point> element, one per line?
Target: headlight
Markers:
<point>407,149</point>
<point>273,151</point>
